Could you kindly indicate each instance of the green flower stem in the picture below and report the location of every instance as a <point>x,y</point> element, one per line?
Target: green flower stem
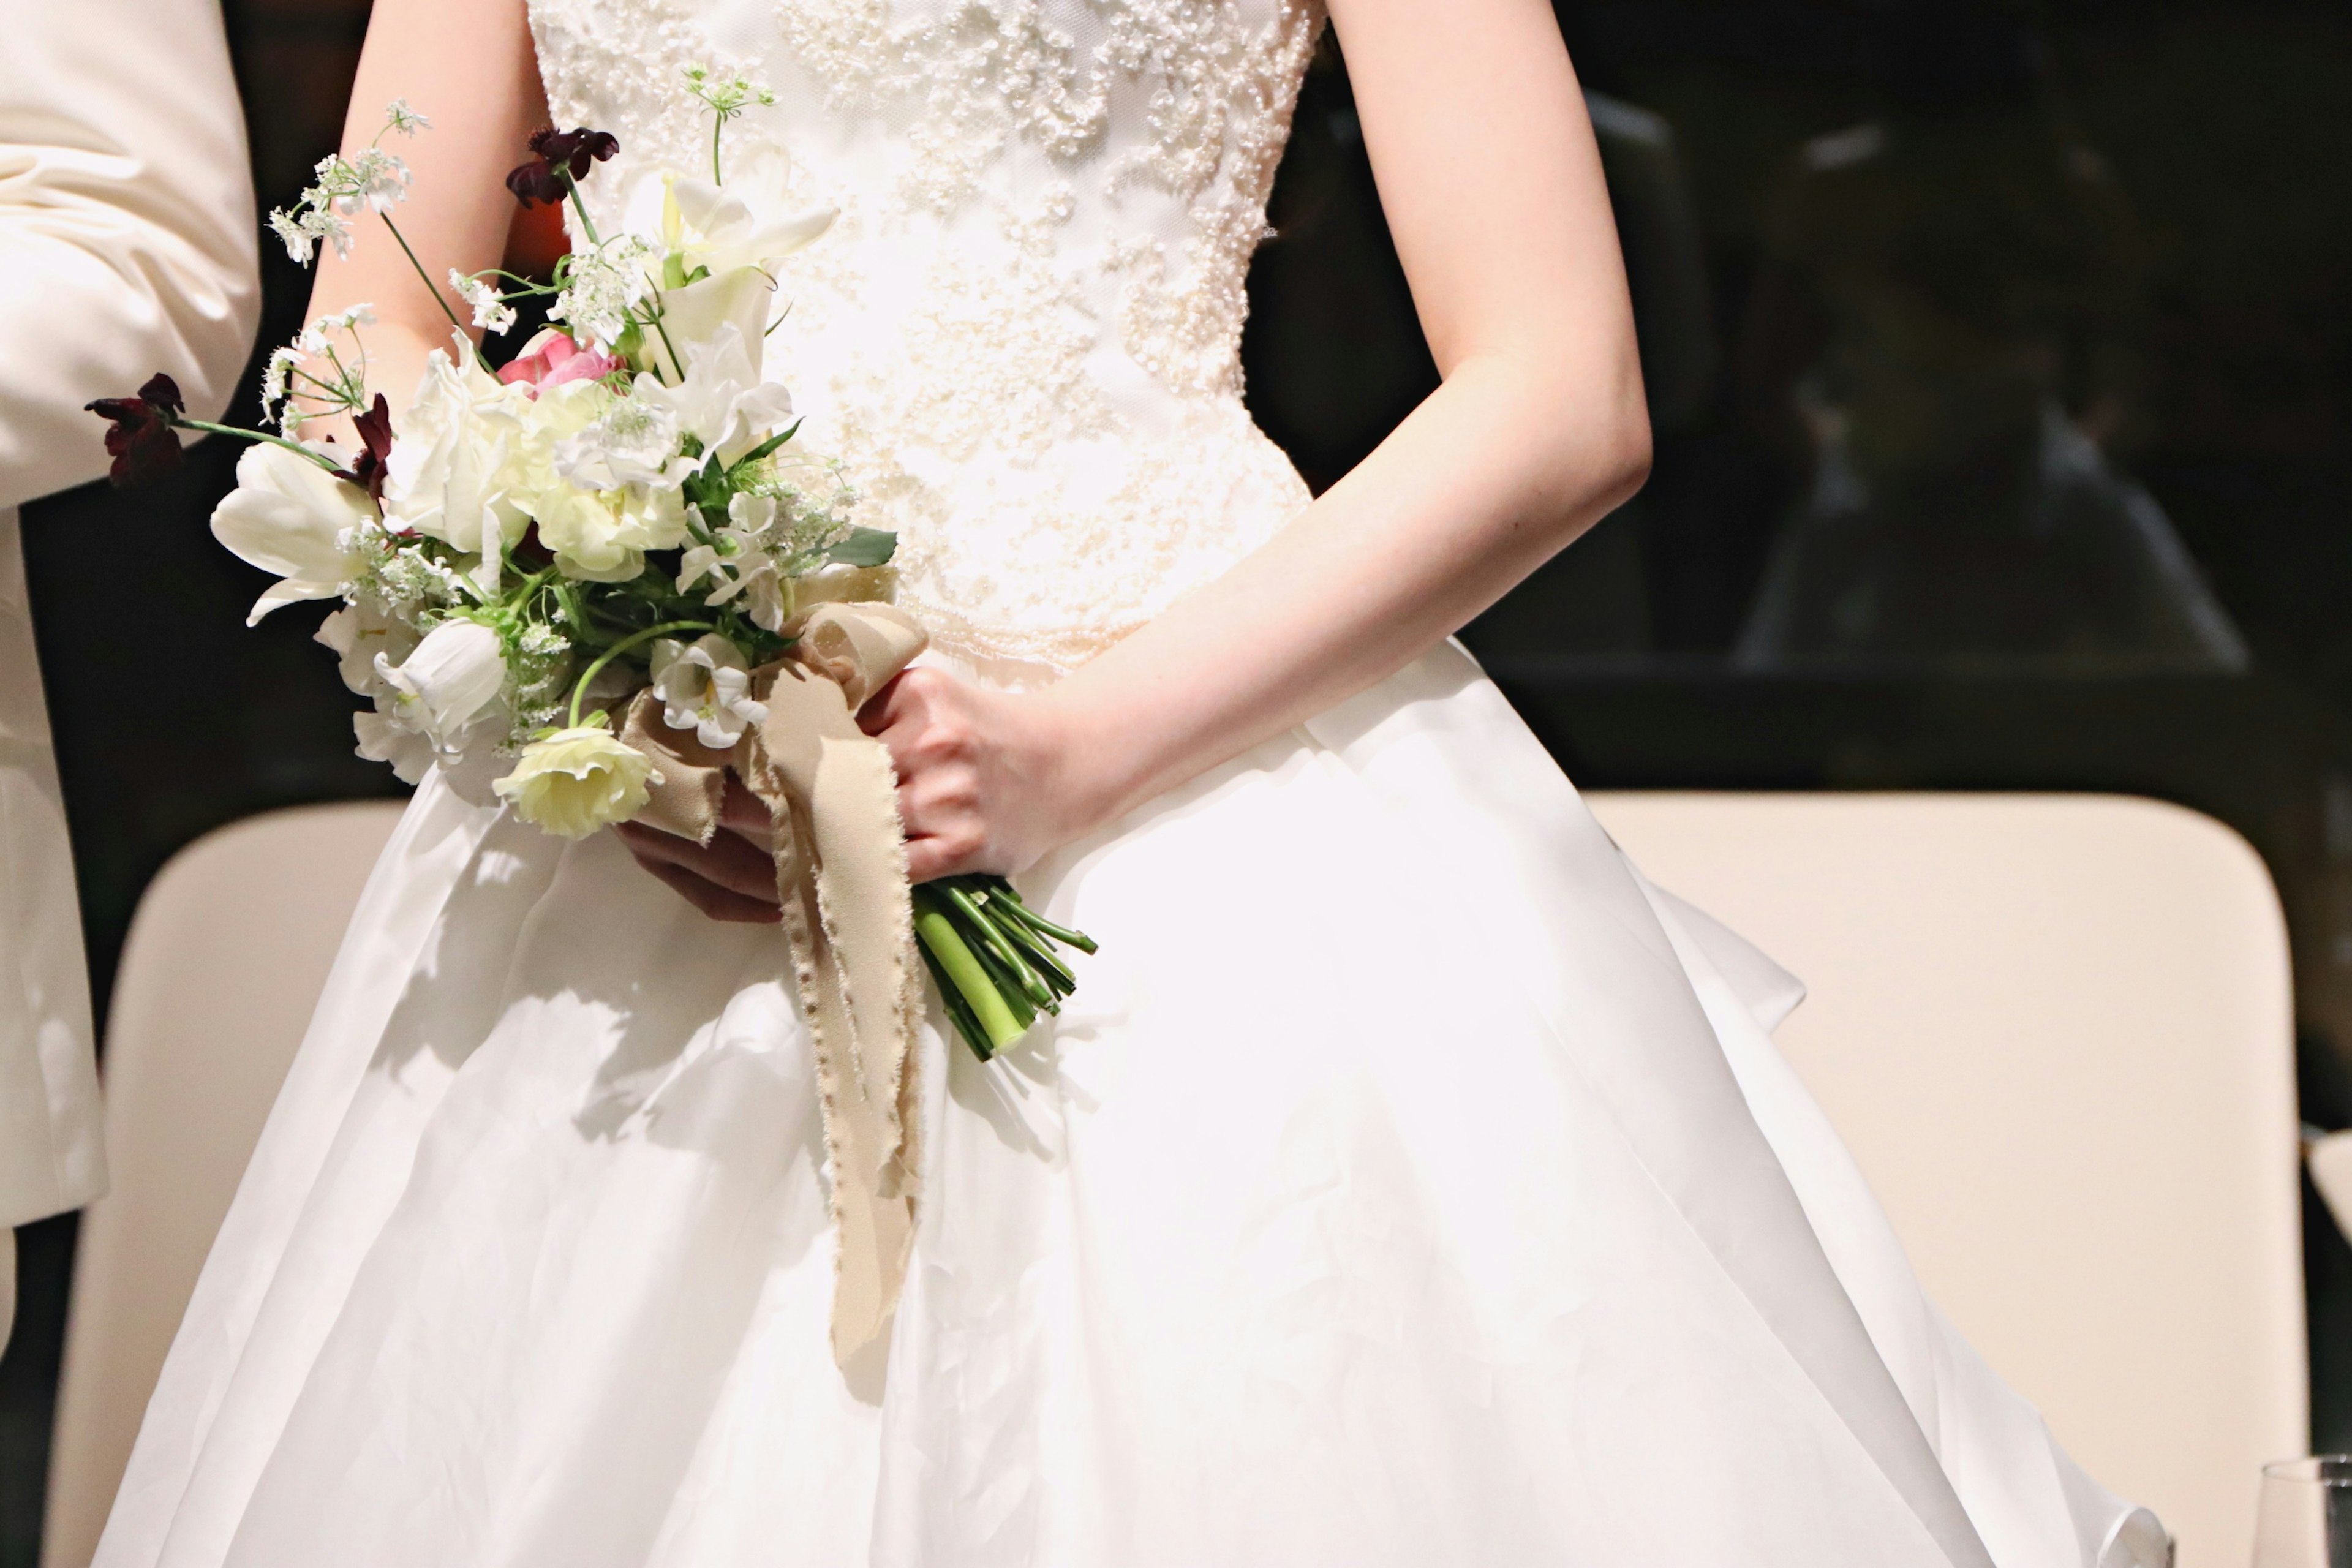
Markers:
<point>184,423</point>
<point>972,984</point>
<point>1005,954</point>
<point>580,205</point>
<point>676,364</point>
<point>1016,1001</point>
<point>434,289</point>
<point>579,689</point>
<point>530,585</point>
<point>1033,948</point>
<point>1044,927</point>
<point>960,1013</point>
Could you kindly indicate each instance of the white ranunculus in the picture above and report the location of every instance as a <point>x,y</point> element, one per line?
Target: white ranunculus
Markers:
<point>360,633</point>
<point>451,679</point>
<point>445,477</point>
<point>531,478</point>
<point>722,401</point>
<point>635,441</point>
<point>289,516</point>
<point>576,781</point>
<point>601,536</point>
<point>706,687</point>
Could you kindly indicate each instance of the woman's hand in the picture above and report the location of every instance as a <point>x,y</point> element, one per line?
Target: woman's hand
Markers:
<point>733,878</point>
<point>988,781</point>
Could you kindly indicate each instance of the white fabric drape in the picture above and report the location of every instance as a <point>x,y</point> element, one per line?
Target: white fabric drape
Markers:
<point>127,246</point>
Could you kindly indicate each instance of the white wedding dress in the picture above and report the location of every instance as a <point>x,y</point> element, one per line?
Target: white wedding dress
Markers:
<point>1410,1183</point>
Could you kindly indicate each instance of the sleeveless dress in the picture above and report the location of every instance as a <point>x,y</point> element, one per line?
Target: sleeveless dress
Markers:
<point>1409,1183</point>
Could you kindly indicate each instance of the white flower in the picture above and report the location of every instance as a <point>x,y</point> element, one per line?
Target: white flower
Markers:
<point>398,116</point>
<point>299,242</point>
<point>449,680</point>
<point>704,225</point>
<point>634,442</point>
<point>600,286</point>
<point>740,562</point>
<point>301,229</point>
<point>694,315</point>
<point>601,523</point>
<point>577,781</point>
<point>361,633</point>
<point>705,687</point>
<point>373,180</point>
<point>721,401</point>
<point>318,337</point>
<point>282,362</point>
<point>445,476</point>
<point>381,740</point>
<point>289,516</point>
<point>491,312</point>
<point>602,537</point>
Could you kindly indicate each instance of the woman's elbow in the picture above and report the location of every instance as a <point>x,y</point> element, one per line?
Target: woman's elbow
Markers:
<point>1624,466</point>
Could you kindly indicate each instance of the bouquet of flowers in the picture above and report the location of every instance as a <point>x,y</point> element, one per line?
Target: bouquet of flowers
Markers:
<point>612,524</point>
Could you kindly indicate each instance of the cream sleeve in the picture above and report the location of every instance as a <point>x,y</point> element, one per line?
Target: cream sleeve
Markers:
<point>127,230</point>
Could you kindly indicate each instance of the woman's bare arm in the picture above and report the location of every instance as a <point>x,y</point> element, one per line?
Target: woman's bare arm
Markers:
<point>1493,187</point>
<point>468,67</point>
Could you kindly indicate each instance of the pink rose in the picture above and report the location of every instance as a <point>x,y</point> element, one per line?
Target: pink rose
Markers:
<point>551,358</point>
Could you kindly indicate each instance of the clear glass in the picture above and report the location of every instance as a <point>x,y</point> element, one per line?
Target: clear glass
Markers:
<point>2306,1518</point>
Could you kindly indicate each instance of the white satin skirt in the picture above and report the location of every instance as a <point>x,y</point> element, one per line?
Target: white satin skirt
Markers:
<point>1409,1184</point>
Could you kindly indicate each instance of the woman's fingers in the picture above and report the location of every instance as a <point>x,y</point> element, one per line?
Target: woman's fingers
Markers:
<point>713,900</point>
<point>747,816</point>
<point>939,856</point>
<point>729,863</point>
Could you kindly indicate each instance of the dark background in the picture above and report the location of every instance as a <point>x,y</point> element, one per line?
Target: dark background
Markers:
<point>2127,217</point>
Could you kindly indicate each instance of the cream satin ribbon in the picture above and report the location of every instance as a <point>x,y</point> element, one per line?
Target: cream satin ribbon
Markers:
<point>848,917</point>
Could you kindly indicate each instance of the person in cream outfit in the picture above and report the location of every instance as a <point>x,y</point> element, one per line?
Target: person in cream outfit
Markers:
<point>127,246</point>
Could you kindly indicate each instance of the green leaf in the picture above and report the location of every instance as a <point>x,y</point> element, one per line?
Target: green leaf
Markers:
<point>768,447</point>
<point>863,547</point>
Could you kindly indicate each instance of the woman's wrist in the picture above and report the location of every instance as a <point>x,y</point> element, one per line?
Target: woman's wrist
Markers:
<point>1091,764</point>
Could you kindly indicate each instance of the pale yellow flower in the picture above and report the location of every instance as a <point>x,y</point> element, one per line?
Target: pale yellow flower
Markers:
<point>576,781</point>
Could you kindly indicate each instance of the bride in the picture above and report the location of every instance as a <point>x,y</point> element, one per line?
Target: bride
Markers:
<point>1409,1182</point>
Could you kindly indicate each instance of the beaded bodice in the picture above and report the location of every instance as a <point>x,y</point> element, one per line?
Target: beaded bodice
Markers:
<point>1022,335</point>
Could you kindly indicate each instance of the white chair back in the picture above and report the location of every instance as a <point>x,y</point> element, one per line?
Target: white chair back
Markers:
<point>225,961</point>
<point>2057,1033</point>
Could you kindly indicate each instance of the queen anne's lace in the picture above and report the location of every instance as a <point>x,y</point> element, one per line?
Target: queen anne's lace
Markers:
<point>1023,334</point>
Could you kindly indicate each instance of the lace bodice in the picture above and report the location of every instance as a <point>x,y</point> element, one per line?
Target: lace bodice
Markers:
<point>1023,334</point>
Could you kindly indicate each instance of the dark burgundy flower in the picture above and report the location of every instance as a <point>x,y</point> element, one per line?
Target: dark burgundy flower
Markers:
<point>375,436</point>
<point>558,153</point>
<point>140,436</point>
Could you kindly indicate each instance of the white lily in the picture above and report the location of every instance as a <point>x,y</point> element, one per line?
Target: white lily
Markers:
<point>289,516</point>
<point>705,687</point>
<point>708,225</point>
<point>693,315</point>
<point>451,679</point>
<point>722,401</point>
